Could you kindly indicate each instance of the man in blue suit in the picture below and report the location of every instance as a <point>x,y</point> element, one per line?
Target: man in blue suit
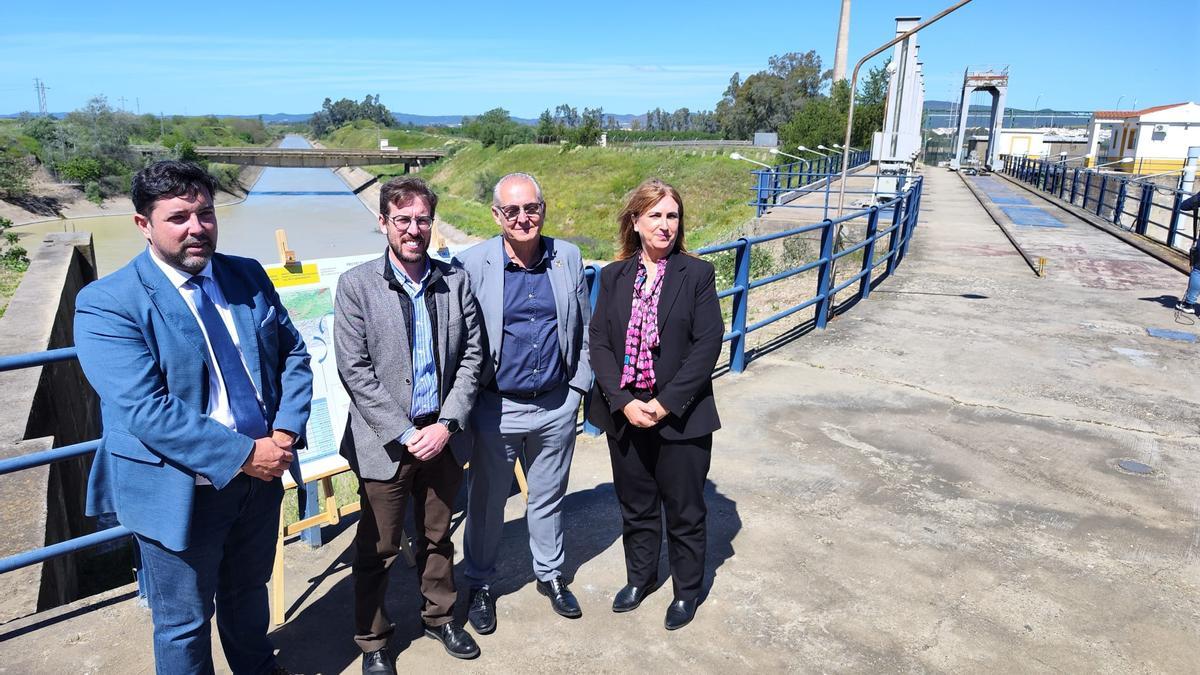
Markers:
<point>205,388</point>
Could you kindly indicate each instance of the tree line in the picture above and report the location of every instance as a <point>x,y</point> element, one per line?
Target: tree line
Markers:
<point>93,146</point>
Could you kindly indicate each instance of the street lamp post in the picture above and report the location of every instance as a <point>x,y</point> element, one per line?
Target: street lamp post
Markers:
<point>777,151</point>
<point>766,181</point>
<point>737,155</point>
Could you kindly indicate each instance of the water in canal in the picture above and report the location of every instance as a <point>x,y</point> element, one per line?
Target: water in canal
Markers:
<point>322,217</point>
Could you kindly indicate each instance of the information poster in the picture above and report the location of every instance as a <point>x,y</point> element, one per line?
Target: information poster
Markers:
<point>307,290</point>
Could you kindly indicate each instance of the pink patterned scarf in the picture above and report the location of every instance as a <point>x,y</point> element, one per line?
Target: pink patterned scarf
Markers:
<point>642,335</point>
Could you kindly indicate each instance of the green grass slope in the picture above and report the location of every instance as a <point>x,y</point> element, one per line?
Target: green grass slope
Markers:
<point>584,187</point>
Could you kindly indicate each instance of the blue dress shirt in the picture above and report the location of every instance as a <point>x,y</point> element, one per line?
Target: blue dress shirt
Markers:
<point>530,361</point>
<point>424,368</point>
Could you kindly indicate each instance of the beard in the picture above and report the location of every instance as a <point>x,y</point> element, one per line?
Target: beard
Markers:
<point>193,263</point>
<point>408,254</point>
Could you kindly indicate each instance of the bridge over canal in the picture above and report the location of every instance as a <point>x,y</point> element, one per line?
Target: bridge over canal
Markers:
<point>310,157</point>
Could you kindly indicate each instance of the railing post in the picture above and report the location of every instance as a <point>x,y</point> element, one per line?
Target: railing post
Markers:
<point>1100,198</point>
<point>764,190</point>
<point>1074,183</point>
<point>1173,228</point>
<point>824,275</point>
<point>1087,187</point>
<point>1119,208</point>
<point>593,298</point>
<point>894,240</point>
<point>868,251</point>
<point>1143,216</point>
<point>741,302</point>
<point>910,221</point>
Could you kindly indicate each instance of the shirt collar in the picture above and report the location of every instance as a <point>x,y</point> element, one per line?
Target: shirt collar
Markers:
<point>543,261</point>
<point>403,277</point>
<point>178,278</point>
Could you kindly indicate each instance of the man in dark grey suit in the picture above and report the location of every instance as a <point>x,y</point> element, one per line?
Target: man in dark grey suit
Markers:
<point>409,352</point>
<point>535,314</point>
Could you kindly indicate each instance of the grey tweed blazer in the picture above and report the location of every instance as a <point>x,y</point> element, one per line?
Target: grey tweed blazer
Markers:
<point>375,363</point>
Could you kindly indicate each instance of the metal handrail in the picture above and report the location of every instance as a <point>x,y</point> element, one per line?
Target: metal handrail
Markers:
<point>905,209</point>
<point>1107,194</point>
<point>770,185</point>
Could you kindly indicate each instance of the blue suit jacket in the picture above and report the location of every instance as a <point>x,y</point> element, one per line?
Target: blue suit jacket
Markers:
<point>144,354</point>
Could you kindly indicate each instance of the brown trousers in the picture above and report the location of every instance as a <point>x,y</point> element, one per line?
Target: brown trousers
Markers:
<point>433,486</point>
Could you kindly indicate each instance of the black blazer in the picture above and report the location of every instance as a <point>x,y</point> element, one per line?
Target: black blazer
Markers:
<point>690,331</point>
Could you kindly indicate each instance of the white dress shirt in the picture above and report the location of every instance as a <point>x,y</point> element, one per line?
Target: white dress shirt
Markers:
<point>218,399</point>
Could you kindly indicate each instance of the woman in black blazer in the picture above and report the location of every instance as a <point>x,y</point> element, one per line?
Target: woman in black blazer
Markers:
<point>654,339</point>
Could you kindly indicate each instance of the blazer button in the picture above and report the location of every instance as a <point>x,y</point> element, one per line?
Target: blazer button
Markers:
<point>406,381</point>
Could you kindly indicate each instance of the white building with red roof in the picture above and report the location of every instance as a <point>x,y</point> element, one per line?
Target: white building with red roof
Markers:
<point>1157,139</point>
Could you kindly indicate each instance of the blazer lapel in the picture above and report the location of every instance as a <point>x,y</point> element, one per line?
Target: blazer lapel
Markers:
<point>623,289</point>
<point>562,287</point>
<point>442,301</point>
<point>240,302</point>
<point>491,297</point>
<point>171,304</point>
<point>676,274</point>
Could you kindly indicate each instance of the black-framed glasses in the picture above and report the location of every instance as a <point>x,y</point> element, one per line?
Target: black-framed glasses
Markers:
<point>404,222</point>
<point>511,212</point>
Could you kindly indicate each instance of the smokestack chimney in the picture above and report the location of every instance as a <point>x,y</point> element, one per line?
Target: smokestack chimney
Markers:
<point>843,43</point>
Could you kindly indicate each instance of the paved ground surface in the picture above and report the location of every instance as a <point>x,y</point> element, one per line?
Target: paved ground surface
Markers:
<point>931,484</point>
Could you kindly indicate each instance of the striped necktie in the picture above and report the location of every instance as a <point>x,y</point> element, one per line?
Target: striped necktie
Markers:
<point>243,401</point>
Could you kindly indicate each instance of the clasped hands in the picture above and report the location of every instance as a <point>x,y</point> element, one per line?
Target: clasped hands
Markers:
<point>271,455</point>
<point>644,414</point>
<point>427,442</point>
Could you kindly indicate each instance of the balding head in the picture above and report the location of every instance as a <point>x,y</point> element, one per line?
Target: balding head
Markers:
<point>523,177</point>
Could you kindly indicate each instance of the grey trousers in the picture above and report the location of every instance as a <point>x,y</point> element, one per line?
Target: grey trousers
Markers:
<point>541,432</point>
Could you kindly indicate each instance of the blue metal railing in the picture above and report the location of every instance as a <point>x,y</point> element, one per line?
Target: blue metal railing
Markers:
<point>784,183</point>
<point>904,209</point>
<point>1127,201</point>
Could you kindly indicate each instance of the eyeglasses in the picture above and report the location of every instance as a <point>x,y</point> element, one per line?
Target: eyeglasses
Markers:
<point>511,212</point>
<point>404,222</point>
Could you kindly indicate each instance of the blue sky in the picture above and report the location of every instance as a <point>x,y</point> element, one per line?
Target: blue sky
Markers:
<point>466,57</point>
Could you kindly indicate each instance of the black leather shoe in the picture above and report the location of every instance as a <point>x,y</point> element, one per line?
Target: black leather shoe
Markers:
<point>458,642</point>
<point>561,598</point>
<point>680,614</point>
<point>378,663</point>
<point>481,611</point>
<point>628,598</point>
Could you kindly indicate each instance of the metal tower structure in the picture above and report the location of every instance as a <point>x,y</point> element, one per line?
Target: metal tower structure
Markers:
<point>40,87</point>
<point>993,80</point>
<point>898,145</point>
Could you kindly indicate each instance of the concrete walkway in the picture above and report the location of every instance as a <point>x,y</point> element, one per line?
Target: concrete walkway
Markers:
<point>931,484</point>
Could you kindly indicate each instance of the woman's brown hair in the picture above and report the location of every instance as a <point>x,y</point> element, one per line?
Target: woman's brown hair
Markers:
<point>638,201</point>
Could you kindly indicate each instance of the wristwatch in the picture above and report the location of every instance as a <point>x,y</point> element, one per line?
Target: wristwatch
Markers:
<point>451,425</point>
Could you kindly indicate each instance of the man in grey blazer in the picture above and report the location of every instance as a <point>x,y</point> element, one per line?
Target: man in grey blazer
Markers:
<point>534,301</point>
<point>409,352</point>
